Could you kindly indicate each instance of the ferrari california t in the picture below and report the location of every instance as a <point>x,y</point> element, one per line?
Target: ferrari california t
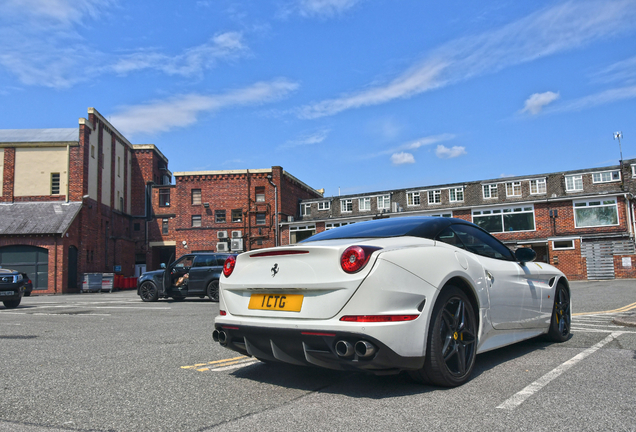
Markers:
<point>417,294</point>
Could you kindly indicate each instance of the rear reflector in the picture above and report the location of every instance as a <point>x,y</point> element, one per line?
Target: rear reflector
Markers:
<point>378,318</point>
<point>222,313</point>
<point>229,328</point>
<point>278,252</point>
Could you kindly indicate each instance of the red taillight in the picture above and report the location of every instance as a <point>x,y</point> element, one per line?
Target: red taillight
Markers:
<point>228,266</point>
<point>222,313</point>
<point>354,258</point>
<point>378,318</point>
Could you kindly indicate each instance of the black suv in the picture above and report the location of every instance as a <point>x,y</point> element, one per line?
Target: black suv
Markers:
<point>192,275</point>
<point>11,287</point>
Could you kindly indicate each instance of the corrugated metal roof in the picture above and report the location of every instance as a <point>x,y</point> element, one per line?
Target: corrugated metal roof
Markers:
<point>39,135</point>
<point>37,217</point>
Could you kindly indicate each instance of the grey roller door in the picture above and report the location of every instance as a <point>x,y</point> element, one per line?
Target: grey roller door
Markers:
<point>32,260</point>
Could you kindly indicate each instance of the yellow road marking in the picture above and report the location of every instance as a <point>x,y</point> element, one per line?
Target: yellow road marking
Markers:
<point>218,363</point>
<point>621,309</point>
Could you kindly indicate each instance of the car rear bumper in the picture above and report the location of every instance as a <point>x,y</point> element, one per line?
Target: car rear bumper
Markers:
<point>314,348</point>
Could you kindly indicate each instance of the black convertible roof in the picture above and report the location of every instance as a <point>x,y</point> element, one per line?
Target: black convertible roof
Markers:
<point>416,226</point>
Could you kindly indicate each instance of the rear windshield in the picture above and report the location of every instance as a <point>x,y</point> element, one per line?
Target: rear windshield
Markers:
<point>394,227</point>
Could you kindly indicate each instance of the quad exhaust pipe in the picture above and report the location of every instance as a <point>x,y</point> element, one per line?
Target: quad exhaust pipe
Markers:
<point>362,349</point>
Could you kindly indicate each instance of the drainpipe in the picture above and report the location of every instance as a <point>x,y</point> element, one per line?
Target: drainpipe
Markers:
<point>68,170</point>
<point>55,265</point>
<point>269,179</point>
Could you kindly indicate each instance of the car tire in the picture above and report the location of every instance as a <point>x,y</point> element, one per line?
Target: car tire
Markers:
<point>27,293</point>
<point>148,292</point>
<point>213,291</point>
<point>11,304</point>
<point>452,341</point>
<point>561,316</point>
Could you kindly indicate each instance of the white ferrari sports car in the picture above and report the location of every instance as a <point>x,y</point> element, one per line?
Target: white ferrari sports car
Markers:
<point>420,294</point>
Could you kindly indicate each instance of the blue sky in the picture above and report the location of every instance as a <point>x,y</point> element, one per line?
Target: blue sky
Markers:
<point>347,95</point>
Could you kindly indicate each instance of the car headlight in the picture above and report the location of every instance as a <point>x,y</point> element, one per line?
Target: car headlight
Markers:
<point>17,278</point>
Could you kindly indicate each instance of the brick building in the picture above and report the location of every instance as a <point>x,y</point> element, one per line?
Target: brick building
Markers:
<point>581,221</point>
<point>72,200</point>
<point>222,211</point>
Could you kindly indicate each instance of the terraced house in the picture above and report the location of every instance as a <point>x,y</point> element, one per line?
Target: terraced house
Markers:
<point>581,221</point>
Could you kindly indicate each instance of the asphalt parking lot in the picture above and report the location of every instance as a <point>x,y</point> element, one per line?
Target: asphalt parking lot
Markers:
<point>108,362</point>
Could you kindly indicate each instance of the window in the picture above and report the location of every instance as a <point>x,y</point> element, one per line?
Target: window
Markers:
<point>562,244</point>
<point>606,176</point>
<point>196,196</point>
<point>332,225</point>
<point>364,204</point>
<point>440,214</point>
<point>164,226</point>
<point>260,219</point>
<point>537,187</point>
<point>476,241</point>
<point>93,151</point>
<point>573,183</point>
<point>384,202</point>
<point>237,215</point>
<point>136,226</point>
<point>55,183</point>
<point>595,213</point>
<point>305,209</point>
<point>434,196</point>
<point>299,233</point>
<point>164,197</point>
<point>513,189</point>
<point>505,219</point>
<point>260,193</point>
<point>118,166</point>
<point>413,199</point>
<point>196,221</point>
<point>219,216</point>
<point>346,206</point>
<point>324,205</point>
<point>633,170</point>
<point>456,194</point>
<point>490,191</point>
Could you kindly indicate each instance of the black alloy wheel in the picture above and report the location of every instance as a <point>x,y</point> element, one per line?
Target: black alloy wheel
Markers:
<point>561,315</point>
<point>452,342</point>
<point>213,291</point>
<point>148,292</point>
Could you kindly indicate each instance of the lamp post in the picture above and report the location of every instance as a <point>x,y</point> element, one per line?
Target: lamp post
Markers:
<point>617,136</point>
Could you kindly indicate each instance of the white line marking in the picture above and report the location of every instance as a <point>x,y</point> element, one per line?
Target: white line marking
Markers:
<point>517,399</point>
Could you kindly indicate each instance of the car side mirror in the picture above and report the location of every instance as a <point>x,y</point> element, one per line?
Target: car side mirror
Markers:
<point>525,255</point>
<point>163,265</point>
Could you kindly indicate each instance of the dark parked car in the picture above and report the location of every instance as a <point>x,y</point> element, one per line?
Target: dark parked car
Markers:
<point>28,284</point>
<point>192,275</point>
<point>11,287</point>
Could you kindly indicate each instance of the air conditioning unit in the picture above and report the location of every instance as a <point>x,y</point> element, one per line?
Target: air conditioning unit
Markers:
<point>237,234</point>
<point>222,234</point>
<point>236,245</point>
<point>221,247</point>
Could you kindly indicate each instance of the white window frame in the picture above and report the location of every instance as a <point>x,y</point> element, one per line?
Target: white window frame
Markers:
<point>538,187</point>
<point>573,187</point>
<point>490,187</point>
<point>384,202</point>
<point>413,199</point>
<point>324,205</point>
<point>613,176</point>
<point>501,211</point>
<point>603,202</point>
<point>305,209</point>
<point>434,196</point>
<point>364,204</point>
<point>514,187</point>
<point>454,194</point>
<point>332,225</point>
<point>554,247</point>
<point>346,206</point>
<point>634,170</point>
<point>449,214</point>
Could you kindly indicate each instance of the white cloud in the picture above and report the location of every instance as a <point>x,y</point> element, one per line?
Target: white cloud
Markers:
<point>556,29</point>
<point>597,99</point>
<point>402,158</point>
<point>53,12</point>
<point>623,71</point>
<point>535,103</point>
<point>316,8</point>
<point>310,139</point>
<point>444,152</point>
<point>193,61</point>
<point>181,111</point>
<point>414,145</point>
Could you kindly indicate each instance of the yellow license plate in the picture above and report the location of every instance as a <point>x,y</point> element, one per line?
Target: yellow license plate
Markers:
<point>279,302</point>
